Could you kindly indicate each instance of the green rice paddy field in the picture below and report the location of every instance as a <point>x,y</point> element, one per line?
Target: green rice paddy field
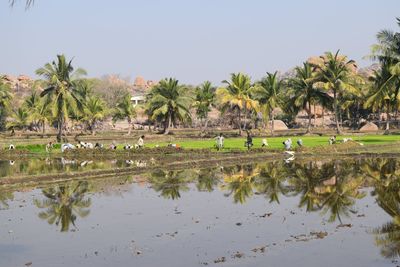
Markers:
<point>238,143</point>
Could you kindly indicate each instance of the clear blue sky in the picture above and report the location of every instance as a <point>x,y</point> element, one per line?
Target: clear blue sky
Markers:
<point>192,40</point>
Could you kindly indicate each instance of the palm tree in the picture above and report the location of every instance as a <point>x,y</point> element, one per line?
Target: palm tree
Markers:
<point>268,93</point>
<point>42,114</point>
<point>62,82</point>
<point>385,89</point>
<point>64,203</point>
<point>388,46</point>
<point>205,98</point>
<point>237,96</point>
<point>169,102</point>
<point>94,110</point>
<point>20,120</point>
<point>303,91</point>
<point>336,74</point>
<point>125,110</point>
<point>5,97</point>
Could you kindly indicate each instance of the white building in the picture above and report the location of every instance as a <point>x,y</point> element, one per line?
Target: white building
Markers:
<point>138,99</point>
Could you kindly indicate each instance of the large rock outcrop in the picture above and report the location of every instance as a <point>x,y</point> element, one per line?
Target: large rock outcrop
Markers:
<point>369,127</point>
<point>279,125</point>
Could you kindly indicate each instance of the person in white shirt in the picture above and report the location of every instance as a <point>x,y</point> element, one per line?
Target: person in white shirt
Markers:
<point>219,141</point>
<point>140,142</point>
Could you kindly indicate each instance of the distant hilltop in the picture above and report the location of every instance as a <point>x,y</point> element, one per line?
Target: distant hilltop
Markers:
<point>141,83</point>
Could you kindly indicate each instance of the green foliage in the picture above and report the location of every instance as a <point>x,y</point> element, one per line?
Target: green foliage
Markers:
<point>169,102</point>
<point>61,93</point>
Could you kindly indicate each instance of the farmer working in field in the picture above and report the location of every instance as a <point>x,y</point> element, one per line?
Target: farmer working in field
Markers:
<point>140,143</point>
<point>249,141</point>
<point>219,141</point>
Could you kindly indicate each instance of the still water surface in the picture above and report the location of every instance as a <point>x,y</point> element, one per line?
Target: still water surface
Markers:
<point>301,213</point>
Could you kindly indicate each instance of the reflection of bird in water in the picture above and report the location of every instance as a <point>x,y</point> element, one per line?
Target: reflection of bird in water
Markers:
<point>12,162</point>
<point>291,156</point>
<point>291,153</point>
<point>86,162</point>
<point>141,163</point>
<point>130,162</point>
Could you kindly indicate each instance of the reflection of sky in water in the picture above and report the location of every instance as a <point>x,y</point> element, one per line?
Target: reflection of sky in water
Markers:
<point>136,224</point>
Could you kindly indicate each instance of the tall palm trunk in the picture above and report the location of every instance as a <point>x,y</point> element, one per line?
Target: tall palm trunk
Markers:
<point>245,117</point>
<point>338,131</point>
<point>167,123</point>
<point>387,116</point>
<point>309,118</point>
<point>60,129</point>
<point>130,126</point>
<point>43,127</point>
<point>272,123</point>
<point>323,117</point>
<point>240,123</point>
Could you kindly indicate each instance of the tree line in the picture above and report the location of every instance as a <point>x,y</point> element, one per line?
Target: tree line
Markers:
<point>330,81</point>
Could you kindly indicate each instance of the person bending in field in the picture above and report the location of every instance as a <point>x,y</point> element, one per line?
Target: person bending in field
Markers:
<point>249,141</point>
<point>332,140</point>
<point>264,142</point>
<point>300,143</point>
<point>49,147</point>
<point>140,143</point>
<point>219,142</point>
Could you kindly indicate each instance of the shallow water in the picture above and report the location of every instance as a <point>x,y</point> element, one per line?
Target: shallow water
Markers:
<point>299,213</point>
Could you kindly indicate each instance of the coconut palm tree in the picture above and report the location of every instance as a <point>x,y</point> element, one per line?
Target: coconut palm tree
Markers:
<point>62,82</point>
<point>205,98</point>
<point>125,111</point>
<point>336,74</point>
<point>303,92</point>
<point>388,46</point>
<point>268,92</point>
<point>5,97</point>
<point>63,203</point>
<point>236,96</point>
<point>169,102</point>
<point>20,120</point>
<point>95,109</point>
<point>41,113</point>
<point>385,90</point>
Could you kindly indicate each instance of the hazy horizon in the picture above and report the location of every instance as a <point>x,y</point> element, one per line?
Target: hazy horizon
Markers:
<point>191,41</point>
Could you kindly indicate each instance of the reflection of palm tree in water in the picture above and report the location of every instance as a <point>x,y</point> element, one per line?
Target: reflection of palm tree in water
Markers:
<point>207,179</point>
<point>386,177</point>
<point>4,197</point>
<point>271,181</point>
<point>63,203</point>
<point>239,181</point>
<point>171,183</point>
<point>339,198</point>
<point>305,179</point>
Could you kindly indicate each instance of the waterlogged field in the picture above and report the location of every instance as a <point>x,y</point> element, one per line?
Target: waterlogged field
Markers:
<point>341,212</point>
